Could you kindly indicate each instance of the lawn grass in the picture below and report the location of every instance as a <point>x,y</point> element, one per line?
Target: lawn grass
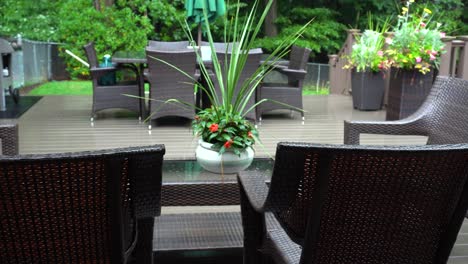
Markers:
<point>85,88</point>
<point>315,90</point>
<point>64,88</point>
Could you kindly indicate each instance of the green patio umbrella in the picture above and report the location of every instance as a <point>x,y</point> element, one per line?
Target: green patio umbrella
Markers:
<point>214,9</point>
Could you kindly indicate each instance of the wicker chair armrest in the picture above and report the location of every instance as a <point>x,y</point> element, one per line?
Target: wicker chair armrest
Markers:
<point>275,65</point>
<point>353,129</point>
<point>255,188</point>
<point>294,74</point>
<point>99,72</point>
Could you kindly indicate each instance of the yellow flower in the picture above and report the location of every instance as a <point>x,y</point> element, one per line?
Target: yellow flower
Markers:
<point>405,10</point>
<point>411,1</point>
<point>404,60</point>
<point>427,11</point>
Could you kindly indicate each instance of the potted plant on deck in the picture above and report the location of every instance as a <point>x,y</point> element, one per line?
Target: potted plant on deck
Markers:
<point>368,62</point>
<point>226,136</point>
<point>414,51</point>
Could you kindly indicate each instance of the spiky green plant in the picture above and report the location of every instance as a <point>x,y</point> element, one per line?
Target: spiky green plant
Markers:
<point>228,109</point>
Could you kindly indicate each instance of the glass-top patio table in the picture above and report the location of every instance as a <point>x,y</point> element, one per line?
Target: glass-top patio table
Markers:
<point>136,57</point>
<point>185,183</point>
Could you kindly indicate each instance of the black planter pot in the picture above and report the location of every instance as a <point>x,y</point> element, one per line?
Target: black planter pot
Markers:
<point>407,91</point>
<point>368,90</point>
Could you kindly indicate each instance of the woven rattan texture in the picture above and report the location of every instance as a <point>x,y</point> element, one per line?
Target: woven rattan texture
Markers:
<point>442,118</point>
<point>169,83</point>
<point>200,194</point>
<point>251,65</point>
<point>198,231</point>
<point>354,204</point>
<point>9,139</point>
<point>169,45</point>
<point>287,93</point>
<point>112,96</point>
<point>57,208</point>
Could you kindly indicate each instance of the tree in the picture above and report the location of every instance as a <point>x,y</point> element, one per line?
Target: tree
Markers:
<point>270,27</point>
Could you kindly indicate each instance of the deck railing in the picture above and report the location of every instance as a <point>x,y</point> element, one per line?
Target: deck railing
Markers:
<point>453,63</point>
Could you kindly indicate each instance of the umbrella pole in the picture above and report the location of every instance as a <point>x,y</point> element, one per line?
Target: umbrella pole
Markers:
<point>199,34</point>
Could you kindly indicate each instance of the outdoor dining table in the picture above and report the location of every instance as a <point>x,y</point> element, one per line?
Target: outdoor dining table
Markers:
<point>135,58</point>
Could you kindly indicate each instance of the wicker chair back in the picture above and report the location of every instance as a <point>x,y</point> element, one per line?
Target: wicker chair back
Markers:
<point>168,45</point>
<point>352,204</point>
<point>166,82</point>
<point>74,207</point>
<point>251,65</point>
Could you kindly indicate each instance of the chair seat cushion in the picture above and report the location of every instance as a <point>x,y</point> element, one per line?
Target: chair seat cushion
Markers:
<point>279,243</point>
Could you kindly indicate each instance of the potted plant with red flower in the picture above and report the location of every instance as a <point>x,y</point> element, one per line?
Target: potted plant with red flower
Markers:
<point>222,138</point>
<point>226,136</point>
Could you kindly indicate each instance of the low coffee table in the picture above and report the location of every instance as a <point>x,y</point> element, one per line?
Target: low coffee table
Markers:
<point>207,236</point>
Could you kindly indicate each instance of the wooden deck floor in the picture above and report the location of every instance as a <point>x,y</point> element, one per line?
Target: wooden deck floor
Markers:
<point>62,124</point>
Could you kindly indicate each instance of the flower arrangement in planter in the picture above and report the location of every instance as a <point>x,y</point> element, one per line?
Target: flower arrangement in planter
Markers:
<point>414,52</point>
<point>368,62</point>
<point>226,135</point>
<point>416,41</point>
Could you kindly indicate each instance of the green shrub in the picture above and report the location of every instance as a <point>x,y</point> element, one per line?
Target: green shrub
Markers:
<point>323,35</point>
<point>36,20</point>
<point>111,29</point>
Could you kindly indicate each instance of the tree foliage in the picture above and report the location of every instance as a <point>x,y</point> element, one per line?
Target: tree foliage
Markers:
<point>130,23</point>
<point>324,35</point>
<point>111,29</point>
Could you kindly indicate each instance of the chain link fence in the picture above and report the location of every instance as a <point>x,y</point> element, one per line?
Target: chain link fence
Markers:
<point>37,62</point>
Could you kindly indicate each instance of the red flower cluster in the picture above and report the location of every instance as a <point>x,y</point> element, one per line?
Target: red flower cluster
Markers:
<point>249,134</point>
<point>228,143</point>
<point>214,128</point>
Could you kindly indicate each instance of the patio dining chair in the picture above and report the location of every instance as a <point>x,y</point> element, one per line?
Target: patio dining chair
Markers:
<point>442,118</point>
<point>221,46</point>
<point>86,207</point>
<point>8,139</point>
<point>290,93</point>
<point>356,204</point>
<point>168,45</point>
<point>251,65</point>
<point>109,94</point>
<point>167,82</point>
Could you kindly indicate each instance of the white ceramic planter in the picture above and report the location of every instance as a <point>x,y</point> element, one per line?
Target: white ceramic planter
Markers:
<point>228,162</point>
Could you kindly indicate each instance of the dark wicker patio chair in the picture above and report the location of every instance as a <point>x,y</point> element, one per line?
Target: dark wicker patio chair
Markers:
<point>111,96</point>
<point>287,93</point>
<point>168,45</point>
<point>80,207</point>
<point>167,82</point>
<point>443,117</point>
<point>352,204</point>
<point>251,65</point>
<point>8,139</point>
